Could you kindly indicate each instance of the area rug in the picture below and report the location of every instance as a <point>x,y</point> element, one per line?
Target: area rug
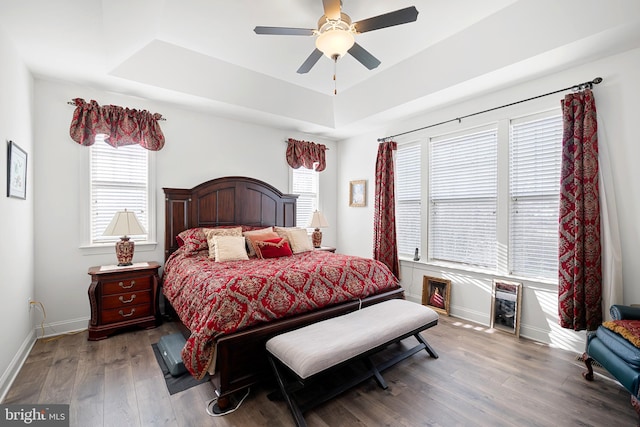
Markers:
<point>179,383</point>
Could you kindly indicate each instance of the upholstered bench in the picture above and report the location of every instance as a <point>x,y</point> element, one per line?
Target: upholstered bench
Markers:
<point>302,355</point>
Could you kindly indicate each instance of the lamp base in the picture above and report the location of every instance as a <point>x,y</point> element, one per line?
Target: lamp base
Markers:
<point>316,238</point>
<point>124,251</point>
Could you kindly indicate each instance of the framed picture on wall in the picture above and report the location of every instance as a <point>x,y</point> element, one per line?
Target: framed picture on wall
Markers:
<point>16,171</point>
<point>436,293</point>
<point>358,193</point>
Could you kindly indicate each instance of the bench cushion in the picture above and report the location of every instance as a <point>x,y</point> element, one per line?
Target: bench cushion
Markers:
<point>319,346</point>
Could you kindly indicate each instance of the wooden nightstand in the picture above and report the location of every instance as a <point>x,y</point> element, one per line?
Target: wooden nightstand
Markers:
<point>325,248</point>
<point>121,297</point>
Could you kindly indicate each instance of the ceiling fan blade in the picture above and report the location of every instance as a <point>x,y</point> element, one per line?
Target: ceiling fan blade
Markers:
<point>363,56</point>
<point>401,16</point>
<point>284,31</point>
<point>310,62</point>
<point>331,8</point>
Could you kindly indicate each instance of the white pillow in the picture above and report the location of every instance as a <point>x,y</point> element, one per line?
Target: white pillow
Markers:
<point>299,240</point>
<point>229,248</point>
<point>210,233</point>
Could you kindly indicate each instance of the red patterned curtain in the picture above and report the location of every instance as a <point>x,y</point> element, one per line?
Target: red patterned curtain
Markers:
<point>385,246</point>
<point>580,275</point>
<point>123,126</point>
<point>303,153</point>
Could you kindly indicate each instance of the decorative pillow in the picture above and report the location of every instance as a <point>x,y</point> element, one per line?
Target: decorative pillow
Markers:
<point>282,231</point>
<point>272,248</point>
<point>299,240</point>
<point>262,234</point>
<point>214,232</point>
<point>192,240</point>
<point>229,248</point>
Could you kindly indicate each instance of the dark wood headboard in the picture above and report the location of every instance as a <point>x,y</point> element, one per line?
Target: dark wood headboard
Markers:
<point>233,200</point>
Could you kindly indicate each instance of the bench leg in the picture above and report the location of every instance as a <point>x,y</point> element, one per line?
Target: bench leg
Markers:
<point>427,347</point>
<point>376,373</point>
<point>295,410</point>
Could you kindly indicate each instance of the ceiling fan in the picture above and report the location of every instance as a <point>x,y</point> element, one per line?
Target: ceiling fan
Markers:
<point>336,33</point>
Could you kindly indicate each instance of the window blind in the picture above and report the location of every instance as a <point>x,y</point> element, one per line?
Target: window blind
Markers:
<point>535,160</point>
<point>408,199</point>
<point>463,198</point>
<point>119,180</point>
<point>305,185</point>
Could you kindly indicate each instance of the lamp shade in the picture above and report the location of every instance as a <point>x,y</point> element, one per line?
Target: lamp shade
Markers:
<point>124,223</point>
<point>335,42</point>
<point>318,220</point>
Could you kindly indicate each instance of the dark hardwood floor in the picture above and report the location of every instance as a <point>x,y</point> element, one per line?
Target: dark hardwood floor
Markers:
<point>482,378</point>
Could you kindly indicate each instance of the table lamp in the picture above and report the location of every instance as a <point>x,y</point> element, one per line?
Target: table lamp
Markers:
<point>318,221</point>
<point>125,224</point>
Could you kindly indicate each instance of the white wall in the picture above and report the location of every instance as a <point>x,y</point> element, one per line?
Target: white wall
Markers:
<point>198,147</point>
<point>618,112</point>
<point>16,216</point>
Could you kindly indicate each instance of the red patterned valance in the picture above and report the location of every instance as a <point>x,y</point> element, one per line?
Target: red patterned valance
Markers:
<point>123,126</point>
<point>303,153</point>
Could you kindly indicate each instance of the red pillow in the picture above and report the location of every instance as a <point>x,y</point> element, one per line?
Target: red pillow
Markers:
<point>272,248</point>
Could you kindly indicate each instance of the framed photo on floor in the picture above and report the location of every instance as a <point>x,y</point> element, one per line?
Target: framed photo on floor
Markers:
<point>436,293</point>
<point>16,171</point>
<point>506,301</point>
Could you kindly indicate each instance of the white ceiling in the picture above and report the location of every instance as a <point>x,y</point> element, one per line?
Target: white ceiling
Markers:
<point>203,54</point>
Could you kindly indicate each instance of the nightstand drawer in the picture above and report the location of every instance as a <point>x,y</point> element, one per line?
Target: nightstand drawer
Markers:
<point>134,284</point>
<point>127,299</point>
<point>125,313</point>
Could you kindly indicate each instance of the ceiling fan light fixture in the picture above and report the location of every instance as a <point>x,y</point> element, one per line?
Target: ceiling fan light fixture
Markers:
<point>335,42</point>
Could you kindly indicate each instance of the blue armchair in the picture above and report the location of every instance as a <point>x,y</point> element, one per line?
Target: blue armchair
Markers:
<point>616,354</point>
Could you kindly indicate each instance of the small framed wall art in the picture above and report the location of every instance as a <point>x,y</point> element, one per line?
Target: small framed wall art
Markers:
<point>436,293</point>
<point>358,193</point>
<point>506,304</point>
<point>16,171</point>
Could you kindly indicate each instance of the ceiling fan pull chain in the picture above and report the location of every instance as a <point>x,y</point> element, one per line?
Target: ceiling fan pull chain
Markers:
<point>335,69</point>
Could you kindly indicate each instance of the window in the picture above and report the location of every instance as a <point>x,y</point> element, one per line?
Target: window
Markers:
<point>119,179</point>
<point>463,195</point>
<point>534,187</point>
<point>493,196</point>
<point>304,183</point>
<point>408,198</point>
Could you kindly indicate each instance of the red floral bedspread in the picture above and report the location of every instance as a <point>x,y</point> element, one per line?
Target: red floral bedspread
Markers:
<point>214,298</point>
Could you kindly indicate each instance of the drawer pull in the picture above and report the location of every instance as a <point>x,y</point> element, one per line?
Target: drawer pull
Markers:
<point>133,296</point>
<point>133,310</point>
<point>121,284</point>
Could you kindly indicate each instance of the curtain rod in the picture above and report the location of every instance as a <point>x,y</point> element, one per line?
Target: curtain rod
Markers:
<point>580,86</point>
<point>162,119</point>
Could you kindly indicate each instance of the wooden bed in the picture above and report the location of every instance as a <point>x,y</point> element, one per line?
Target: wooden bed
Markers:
<point>241,356</point>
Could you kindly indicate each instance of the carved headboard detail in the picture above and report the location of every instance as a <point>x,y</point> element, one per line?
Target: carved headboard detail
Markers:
<point>233,200</point>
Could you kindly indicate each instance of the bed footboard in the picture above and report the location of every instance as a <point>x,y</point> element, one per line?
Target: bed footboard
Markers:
<point>242,358</point>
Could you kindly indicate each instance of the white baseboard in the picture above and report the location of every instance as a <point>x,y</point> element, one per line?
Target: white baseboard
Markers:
<point>50,330</point>
<point>59,328</point>
<point>9,376</point>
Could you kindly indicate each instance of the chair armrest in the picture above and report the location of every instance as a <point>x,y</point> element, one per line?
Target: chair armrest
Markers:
<point>621,312</point>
